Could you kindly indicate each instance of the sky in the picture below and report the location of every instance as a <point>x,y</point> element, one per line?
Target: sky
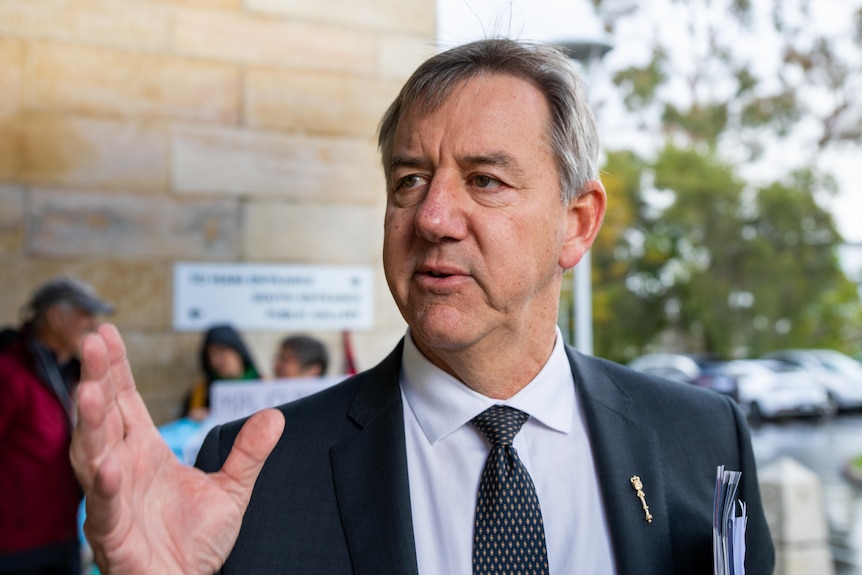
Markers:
<point>554,20</point>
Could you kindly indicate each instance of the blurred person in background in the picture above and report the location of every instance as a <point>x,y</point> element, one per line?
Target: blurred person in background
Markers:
<point>224,357</point>
<point>300,356</point>
<point>39,369</point>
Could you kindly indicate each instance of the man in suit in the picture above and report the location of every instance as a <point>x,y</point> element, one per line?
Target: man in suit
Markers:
<point>491,161</point>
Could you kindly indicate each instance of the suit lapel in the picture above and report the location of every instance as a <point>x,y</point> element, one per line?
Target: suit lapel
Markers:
<point>372,488</point>
<point>622,447</point>
<point>370,474</point>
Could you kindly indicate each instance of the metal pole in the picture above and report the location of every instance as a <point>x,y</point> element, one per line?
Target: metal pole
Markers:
<point>587,52</point>
<point>583,308</point>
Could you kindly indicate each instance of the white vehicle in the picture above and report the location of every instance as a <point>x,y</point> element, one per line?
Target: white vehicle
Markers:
<point>770,388</point>
<point>841,375</point>
<point>696,369</point>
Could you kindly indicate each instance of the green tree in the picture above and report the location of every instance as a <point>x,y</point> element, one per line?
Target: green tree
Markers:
<point>727,261</point>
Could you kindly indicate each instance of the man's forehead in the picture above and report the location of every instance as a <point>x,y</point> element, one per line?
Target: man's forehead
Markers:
<point>486,122</point>
<point>485,84</point>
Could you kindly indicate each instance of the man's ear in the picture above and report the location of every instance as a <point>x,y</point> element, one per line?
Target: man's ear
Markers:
<point>584,216</point>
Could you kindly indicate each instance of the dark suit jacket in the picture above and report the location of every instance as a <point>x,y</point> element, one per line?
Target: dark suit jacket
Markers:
<point>333,498</point>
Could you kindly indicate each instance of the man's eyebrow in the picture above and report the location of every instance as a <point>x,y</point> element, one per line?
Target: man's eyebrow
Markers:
<point>406,162</point>
<point>499,159</point>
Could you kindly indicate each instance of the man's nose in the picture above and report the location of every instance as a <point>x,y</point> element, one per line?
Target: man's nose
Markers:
<point>442,212</point>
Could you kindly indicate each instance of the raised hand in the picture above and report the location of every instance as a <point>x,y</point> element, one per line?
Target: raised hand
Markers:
<point>147,512</point>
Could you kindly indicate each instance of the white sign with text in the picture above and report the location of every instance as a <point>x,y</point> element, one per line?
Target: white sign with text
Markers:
<point>230,400</point>
<point>273,296</point>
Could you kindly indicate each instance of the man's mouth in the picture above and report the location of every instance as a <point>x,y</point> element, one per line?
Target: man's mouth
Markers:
<point>434,274</point>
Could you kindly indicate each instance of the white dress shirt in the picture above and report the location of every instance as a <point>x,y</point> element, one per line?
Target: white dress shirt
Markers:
<point>446,454</point>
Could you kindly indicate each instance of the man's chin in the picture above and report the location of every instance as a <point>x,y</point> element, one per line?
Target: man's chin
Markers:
<point>442,331</point>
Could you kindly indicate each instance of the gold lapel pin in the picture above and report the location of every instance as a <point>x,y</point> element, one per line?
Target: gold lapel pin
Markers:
<point>638,486</point>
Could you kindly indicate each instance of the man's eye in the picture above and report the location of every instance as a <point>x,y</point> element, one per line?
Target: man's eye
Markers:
<point>481,181</point>
<point>408,182</point>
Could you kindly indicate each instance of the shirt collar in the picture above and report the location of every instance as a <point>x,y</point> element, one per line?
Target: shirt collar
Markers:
<point>442,403</point>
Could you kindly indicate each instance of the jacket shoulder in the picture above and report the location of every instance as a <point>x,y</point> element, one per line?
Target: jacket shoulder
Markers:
<point>327,416</point>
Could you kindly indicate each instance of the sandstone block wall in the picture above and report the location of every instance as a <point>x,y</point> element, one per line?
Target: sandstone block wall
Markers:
<point>138,133</point>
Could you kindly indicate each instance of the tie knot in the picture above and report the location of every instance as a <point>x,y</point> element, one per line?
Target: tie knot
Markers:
<point>500,423</point>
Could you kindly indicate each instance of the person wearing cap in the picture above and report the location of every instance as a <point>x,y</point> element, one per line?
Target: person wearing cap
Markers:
<point>39,369</point>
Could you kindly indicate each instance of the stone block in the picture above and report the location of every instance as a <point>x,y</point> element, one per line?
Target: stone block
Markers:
<point>135,25</point>
<point>399,56</point>
<point>816,561</point>
<point>239,37</point>
<point>65,222</point>
<point>404,16</point>
<point>233,4</point>
<point>15,289</point>
<point>11,75</point>
<point>230,161</point>
<point>11,220</point>
<point>316,103</point>
<point>95,81</point>
<point>793,505</point>
<point>11,94</point>
<point>131,155</point>
<point>140,291</point>
<point>165,365</point>
<point>10,150</point>
<point>796,511</point>
<point>305,233</point>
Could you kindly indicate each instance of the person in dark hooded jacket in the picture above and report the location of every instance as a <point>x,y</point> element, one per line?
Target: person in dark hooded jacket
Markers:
<point>224,357</point>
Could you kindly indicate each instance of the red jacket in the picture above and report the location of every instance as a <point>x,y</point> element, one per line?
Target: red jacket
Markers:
<point>40,494</point>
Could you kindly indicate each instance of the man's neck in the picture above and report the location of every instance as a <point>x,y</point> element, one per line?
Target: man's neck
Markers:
<point>499,372</point>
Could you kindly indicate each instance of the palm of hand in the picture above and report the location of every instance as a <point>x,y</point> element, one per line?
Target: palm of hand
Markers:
<point>146,511</point>
<point>178,519</point>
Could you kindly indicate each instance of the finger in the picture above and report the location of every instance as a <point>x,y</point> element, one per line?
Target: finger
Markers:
<point>129,401</point>
<point>95,361</point>
<point>89,438</point>
<point>255,442</point>
<point>93,433</point>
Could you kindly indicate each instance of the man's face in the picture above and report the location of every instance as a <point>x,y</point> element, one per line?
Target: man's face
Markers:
<point>286,364</point>
<point>226,361</point>
<point>69,325</point>
<point>475,226</point>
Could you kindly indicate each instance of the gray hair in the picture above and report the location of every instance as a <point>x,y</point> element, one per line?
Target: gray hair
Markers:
<point>68,292</point>
<point>573,135</point>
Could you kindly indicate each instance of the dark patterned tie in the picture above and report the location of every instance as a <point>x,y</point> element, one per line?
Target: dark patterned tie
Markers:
<point>509,536</point>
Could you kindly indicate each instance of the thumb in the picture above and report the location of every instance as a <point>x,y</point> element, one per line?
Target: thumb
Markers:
<point>252,446</point>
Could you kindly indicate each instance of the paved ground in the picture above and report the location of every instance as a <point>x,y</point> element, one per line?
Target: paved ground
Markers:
<point>824,447</point>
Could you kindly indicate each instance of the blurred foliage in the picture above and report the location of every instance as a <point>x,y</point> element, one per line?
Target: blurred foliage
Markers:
<point>639,83</point>
<point>693,255</point>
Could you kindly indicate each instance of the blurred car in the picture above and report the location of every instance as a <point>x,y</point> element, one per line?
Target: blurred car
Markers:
<point>696,369</point>
<point>769,388</point>
<point>839,373</point>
